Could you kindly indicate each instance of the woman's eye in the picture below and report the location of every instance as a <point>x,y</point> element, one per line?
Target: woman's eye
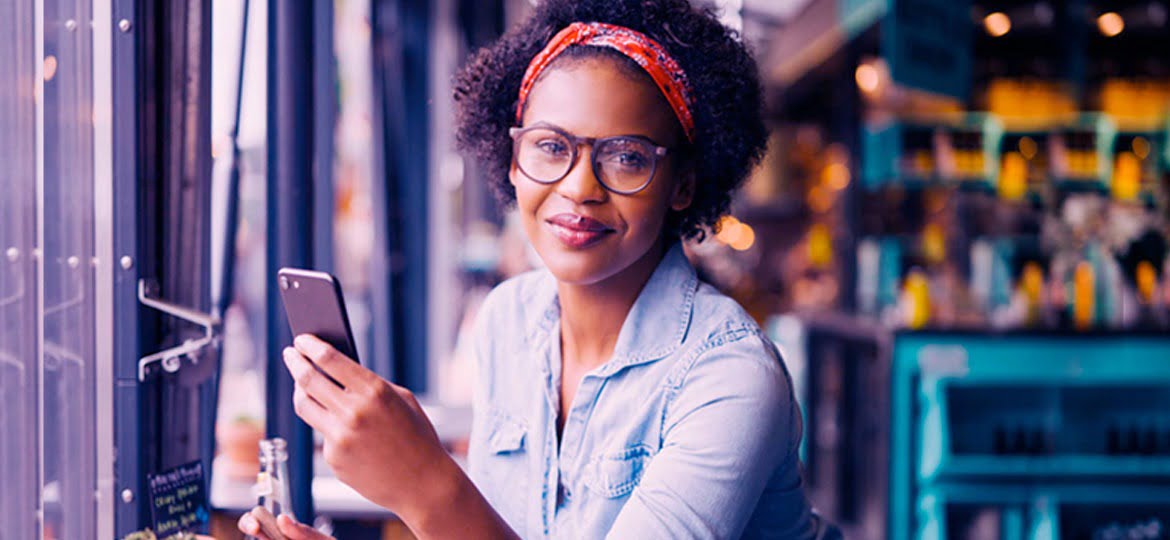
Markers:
<point>632,159</point>
<point>552,147</point>
<point>629,160</point>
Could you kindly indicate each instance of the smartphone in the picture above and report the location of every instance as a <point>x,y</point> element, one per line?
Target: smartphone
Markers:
<point>314,305</point>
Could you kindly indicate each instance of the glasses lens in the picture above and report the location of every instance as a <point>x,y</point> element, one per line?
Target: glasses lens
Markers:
<point>544,155</point>
<point>625,164</point>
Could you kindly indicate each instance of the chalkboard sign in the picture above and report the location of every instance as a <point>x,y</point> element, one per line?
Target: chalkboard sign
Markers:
<point>178,499</point>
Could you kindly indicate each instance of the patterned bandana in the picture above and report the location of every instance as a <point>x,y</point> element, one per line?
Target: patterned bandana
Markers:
<point>649,54</point>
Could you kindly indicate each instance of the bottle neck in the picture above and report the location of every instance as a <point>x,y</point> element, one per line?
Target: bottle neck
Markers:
<point>273,455</point>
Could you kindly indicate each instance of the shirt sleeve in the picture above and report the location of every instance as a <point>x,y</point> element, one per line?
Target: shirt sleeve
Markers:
<point>732,430</point>
<point>481,359</point>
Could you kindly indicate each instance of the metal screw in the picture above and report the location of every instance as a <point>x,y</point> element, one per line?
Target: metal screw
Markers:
<point>127,262</point>
<point>71,25</point>
<point>127,496</point>
<point>124,25</point>
<point>36,253</point>
<point>73,261</point>
<point>13,254</point>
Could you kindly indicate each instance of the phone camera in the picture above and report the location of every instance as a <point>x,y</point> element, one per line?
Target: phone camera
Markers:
<point>284,283</point>
<point>296,284</point>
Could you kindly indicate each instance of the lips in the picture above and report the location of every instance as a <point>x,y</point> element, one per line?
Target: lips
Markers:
<point>577,231</point>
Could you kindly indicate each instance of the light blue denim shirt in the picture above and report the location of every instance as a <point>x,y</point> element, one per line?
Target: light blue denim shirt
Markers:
<point>689,431</point>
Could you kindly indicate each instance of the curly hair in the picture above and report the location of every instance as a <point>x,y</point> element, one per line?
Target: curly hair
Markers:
<point>729,131</point>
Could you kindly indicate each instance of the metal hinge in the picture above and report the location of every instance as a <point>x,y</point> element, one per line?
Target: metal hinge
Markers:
<point>172,359</point>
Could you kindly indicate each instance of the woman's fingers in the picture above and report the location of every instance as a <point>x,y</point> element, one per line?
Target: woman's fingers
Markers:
<point>249,526</point>
<point>268,524</point>
<point>312,412</point>
<point>315,384</point>
<point>298,531</point>
<point>337,365</point>
<point>260,523</point>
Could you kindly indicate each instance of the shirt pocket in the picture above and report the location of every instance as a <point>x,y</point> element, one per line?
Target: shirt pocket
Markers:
<point>616,474</point>
<point>505,467</point>
<point>505,435</point>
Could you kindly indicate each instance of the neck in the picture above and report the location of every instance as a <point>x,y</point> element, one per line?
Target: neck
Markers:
<point>592,314</point>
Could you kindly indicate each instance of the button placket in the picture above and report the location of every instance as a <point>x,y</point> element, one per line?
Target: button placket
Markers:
<point>573,434</point>
<point>570,437</point>
<point>551,374</point>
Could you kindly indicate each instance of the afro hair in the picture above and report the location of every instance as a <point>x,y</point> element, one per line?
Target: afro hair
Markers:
<point>729,131</point>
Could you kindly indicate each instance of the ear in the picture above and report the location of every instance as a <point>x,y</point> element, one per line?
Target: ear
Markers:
<point>684,192</point>
<point>512,172</point>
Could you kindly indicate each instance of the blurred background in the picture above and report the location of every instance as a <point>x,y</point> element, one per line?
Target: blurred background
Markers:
<point>958,238</point>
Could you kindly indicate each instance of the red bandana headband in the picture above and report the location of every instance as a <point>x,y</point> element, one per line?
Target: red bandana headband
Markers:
<point>649,54</point>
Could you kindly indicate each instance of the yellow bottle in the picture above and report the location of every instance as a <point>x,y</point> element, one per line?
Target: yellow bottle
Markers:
<point>1127,177</point>
<point>1083,296</point>
<point>916,300</point>
<point>1013,177</point>
<point>1031,287</point>
<point>1147,282</point>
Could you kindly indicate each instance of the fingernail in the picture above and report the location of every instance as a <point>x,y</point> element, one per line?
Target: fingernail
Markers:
<point>289,525</point>
<point>249,522</point>
<point>308,344</point>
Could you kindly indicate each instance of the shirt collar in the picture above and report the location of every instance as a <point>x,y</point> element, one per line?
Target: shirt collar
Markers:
<point>657,322</point>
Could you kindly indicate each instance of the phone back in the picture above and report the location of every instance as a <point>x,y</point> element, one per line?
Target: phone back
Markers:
<point>314,305</point>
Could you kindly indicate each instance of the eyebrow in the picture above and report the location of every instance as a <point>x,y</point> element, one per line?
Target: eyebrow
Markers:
<point>639,136</point>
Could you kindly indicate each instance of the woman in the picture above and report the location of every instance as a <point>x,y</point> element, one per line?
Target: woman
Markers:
<point>617,395</point>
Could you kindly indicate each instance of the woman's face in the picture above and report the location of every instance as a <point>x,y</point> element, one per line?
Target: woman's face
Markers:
<point>584,233</point>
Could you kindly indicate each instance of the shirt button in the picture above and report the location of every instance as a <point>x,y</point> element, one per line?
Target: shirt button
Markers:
<point>563,494</point>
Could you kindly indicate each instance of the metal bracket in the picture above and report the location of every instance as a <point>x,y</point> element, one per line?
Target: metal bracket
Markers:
<point>7,359</point>
<point>172,359</point>
<point>14,298</point>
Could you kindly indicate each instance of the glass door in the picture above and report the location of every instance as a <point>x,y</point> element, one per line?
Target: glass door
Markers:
<point>104,179</point>
<point>67,271</point>
<point>18,284</point>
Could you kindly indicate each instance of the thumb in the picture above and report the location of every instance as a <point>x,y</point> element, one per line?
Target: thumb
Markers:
<point>297,531</point>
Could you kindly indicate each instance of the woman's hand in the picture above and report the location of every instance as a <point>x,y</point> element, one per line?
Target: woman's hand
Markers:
<point>377,438</point>
<point>260,524</point>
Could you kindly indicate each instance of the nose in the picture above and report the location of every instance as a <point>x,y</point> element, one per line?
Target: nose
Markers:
<point>581,185</point>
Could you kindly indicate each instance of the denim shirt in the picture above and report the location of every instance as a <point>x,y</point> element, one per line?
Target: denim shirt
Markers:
<point>690,430</point>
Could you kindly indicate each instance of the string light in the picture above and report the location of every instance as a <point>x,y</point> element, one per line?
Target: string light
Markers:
<point>867,77</point>
<point>744,239</point>
<point>997,24</point>
<point>1110,24</point>
<point>736,234</point>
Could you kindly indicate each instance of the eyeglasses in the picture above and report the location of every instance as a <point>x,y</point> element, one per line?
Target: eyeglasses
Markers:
<point>623,165</point>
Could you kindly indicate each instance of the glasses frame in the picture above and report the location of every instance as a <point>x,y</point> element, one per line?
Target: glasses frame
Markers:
<point>576,142</point>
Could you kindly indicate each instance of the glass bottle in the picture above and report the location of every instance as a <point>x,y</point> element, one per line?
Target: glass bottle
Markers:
<point>272,487</point>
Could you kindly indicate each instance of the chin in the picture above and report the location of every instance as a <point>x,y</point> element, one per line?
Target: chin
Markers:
<point>579,266</point>
<point>593,264</point>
